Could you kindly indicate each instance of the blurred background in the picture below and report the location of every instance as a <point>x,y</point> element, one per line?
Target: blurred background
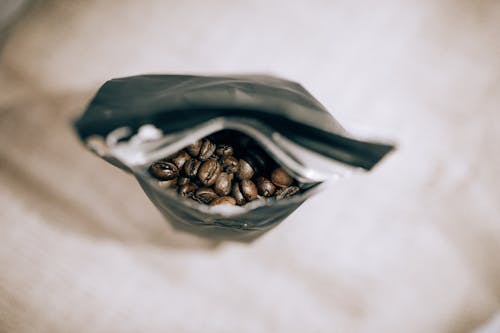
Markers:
<point>410,247</point>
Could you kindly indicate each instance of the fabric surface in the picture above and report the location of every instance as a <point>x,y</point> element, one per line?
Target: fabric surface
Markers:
<point>409,247</point>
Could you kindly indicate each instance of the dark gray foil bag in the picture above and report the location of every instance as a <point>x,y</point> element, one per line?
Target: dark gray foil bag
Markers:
<point>136,120</point>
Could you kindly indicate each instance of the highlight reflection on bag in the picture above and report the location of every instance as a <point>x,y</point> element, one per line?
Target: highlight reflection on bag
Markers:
<point>247,149</point>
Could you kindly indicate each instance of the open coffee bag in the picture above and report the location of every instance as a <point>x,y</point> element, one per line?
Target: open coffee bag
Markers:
<point>228,156</point>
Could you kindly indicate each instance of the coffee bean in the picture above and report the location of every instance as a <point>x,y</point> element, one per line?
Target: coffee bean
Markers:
<point>265,187</point>
<point>248,189</point>
<point>224,150</point>
<point>191,167</point>
<point>238,196</point>
<point>187,190</point>
<point>209,172</point>
<point>230,164</point>
<point>206,150</point>
<point>287,192</point>
<point>205,195</point>
<point>164,170</point>
<point>182,181</point>
<point>223,201</point>
<point>245,170</point>
<point>223,184</point>
<point>180,159</point>
<point>280,178</point>
<point>194,149</point>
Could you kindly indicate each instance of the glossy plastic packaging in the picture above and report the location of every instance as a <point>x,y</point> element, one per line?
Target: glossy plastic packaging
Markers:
<point>136,120</point>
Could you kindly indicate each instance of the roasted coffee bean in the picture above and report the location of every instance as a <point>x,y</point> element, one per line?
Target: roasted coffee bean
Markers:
<point>209,172</point>
<point>182,181</point>
<point>205,195</point>
<point>191,167</point>
<point>223,184</point>
<point>248,189</point>
<point>236,193</point>
<point>180,159</point>
<point>265,187</point>
<point>206,150</point>
<point>287,192</point>
<point>245,170</point>
<point>223,201</point>
<point>229,164</point>
<point>187,190</point>
<point>224,150</point>
<point>281,178</point>
<point>194,148</point>
<point>164,170</point>
<point>172,183</point>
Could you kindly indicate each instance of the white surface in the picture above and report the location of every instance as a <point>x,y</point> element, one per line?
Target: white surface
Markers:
<point>411,247</point>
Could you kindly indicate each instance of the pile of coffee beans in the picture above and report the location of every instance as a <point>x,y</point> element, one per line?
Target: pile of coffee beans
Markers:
<point>216,174</point>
